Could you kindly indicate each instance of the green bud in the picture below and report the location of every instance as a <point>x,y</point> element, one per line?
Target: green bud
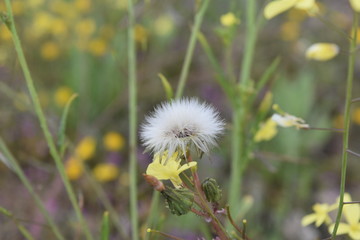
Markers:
<point>212,190</point>
<point>179,201</point>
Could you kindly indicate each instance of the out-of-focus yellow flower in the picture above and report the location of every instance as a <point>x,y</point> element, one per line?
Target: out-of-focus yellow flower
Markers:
<point>105,172</point>
<point>352,216</point>
<point>322,51</point>
<point>107,31</point>
<point>356,116</point>
<point>83,5</point>
<point>320,215</point>
<point>266,102</point>
<point>296,15</point>
<point>17,7</point>
<point>141,35</point>
<point>74,168</point>
<point>62,95</point>
<point>50,51</point>
<point>338,121</point>
<point>121,4</point>
<point>86,148</point>
<point>34,3</point>
<point>59,27</point>
<point>114,141</point>
<point>97,47</point>
<point>85,28</point>
<point>64,8</point>
<point>5,33</point>
<point>276,7</point>
<point>42,24</point>
<point>290,31</point>
<point>163,25</point>
<point>229,19</point>
<point>168,168</point>
<point>355,4</point>
<point>267,131</point>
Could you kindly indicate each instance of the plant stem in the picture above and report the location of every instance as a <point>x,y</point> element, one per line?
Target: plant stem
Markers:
<point>19,172</point>
<point>132,121</point>
<point>43,124</point>
<point>190,49</point>
<point>347,118</point>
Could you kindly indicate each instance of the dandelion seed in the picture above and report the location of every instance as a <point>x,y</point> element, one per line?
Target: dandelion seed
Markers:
<point>177,125</point>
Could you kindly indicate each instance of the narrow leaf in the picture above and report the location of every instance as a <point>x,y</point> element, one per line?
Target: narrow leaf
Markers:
<point>167,87</point>
<point>105,227</point>
<point>61,133</point>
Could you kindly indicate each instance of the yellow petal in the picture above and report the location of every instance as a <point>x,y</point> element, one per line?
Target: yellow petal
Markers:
<point>308,219</point>
<point>186,166</point>
<point>305,4</point>
<point>266,132</point>
<point>354,232</point>
<point>352,213</point>
<point>342,229</point>
<point>355,4</point>
<point>322,51</point>
<point>276,7</point>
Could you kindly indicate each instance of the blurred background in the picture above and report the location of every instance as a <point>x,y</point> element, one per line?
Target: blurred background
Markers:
<point>79,46</point>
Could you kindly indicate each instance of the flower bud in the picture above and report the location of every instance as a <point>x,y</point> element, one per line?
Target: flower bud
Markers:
<point>179,201</point>
<point>212,190</point>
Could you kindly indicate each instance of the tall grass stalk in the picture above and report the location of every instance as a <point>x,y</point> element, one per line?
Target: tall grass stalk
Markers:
<point>43,124</point>
<point>132,121</point>
<point>190,49</point>
<point>347,118</point>
<point>20,173</point>
<point>27,235</point>
<point>239,158</point>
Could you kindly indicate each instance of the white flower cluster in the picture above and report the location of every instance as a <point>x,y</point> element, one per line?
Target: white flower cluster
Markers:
<point>178,124</point>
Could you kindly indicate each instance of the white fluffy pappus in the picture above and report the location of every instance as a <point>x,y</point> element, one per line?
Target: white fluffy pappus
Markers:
<point>176,125</point>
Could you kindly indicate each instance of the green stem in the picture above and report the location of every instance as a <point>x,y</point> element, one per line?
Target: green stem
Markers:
<point>153,212</point>
<point>27,235</point>
<point>19,172</point>
<point>43,124</point>
<point>347,118</point>
<point>132,121</point>
<point>250,40</point>
<point>190,49</point>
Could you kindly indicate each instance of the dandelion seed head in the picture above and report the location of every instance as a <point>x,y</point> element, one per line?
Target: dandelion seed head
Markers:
<point>176,125</point>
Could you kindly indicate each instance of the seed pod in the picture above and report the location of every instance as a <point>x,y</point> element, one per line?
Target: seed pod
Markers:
<point>212,190</point>
<point>179,201</point>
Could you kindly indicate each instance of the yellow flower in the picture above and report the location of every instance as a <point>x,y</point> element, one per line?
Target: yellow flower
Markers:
<point>59,27</point>
<point>266,132</point>
<point>320,215</point>
<point>62,95</point>
<point>276,7</point>
<point>352,216</point>
<point>287,120</point>
<point>42,24</point>
<point>86,148</point>
<point>97,47</point>
<point>5,33</point>
<point>141,35</point>
<point>290,31</point>
<point>50,51</point>
<point>229,19</point>
<point>356,116</point>
<point>168,168</point>
<point>83,5</point>
<point>322,51</point>
<point>163,25</point>
<point>74,168</point>
<point>114,141</point>
<point>355,4</point>
<point>85,28</point>
<point>105,172</point>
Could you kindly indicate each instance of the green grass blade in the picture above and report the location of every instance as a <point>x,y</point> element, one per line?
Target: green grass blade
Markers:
<point>105,227</point>
<point>62,128</point>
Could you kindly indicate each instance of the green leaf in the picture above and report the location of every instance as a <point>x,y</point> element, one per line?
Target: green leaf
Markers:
<point>167,87</point>
<point>105,227</point>
<point>61,133</point>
